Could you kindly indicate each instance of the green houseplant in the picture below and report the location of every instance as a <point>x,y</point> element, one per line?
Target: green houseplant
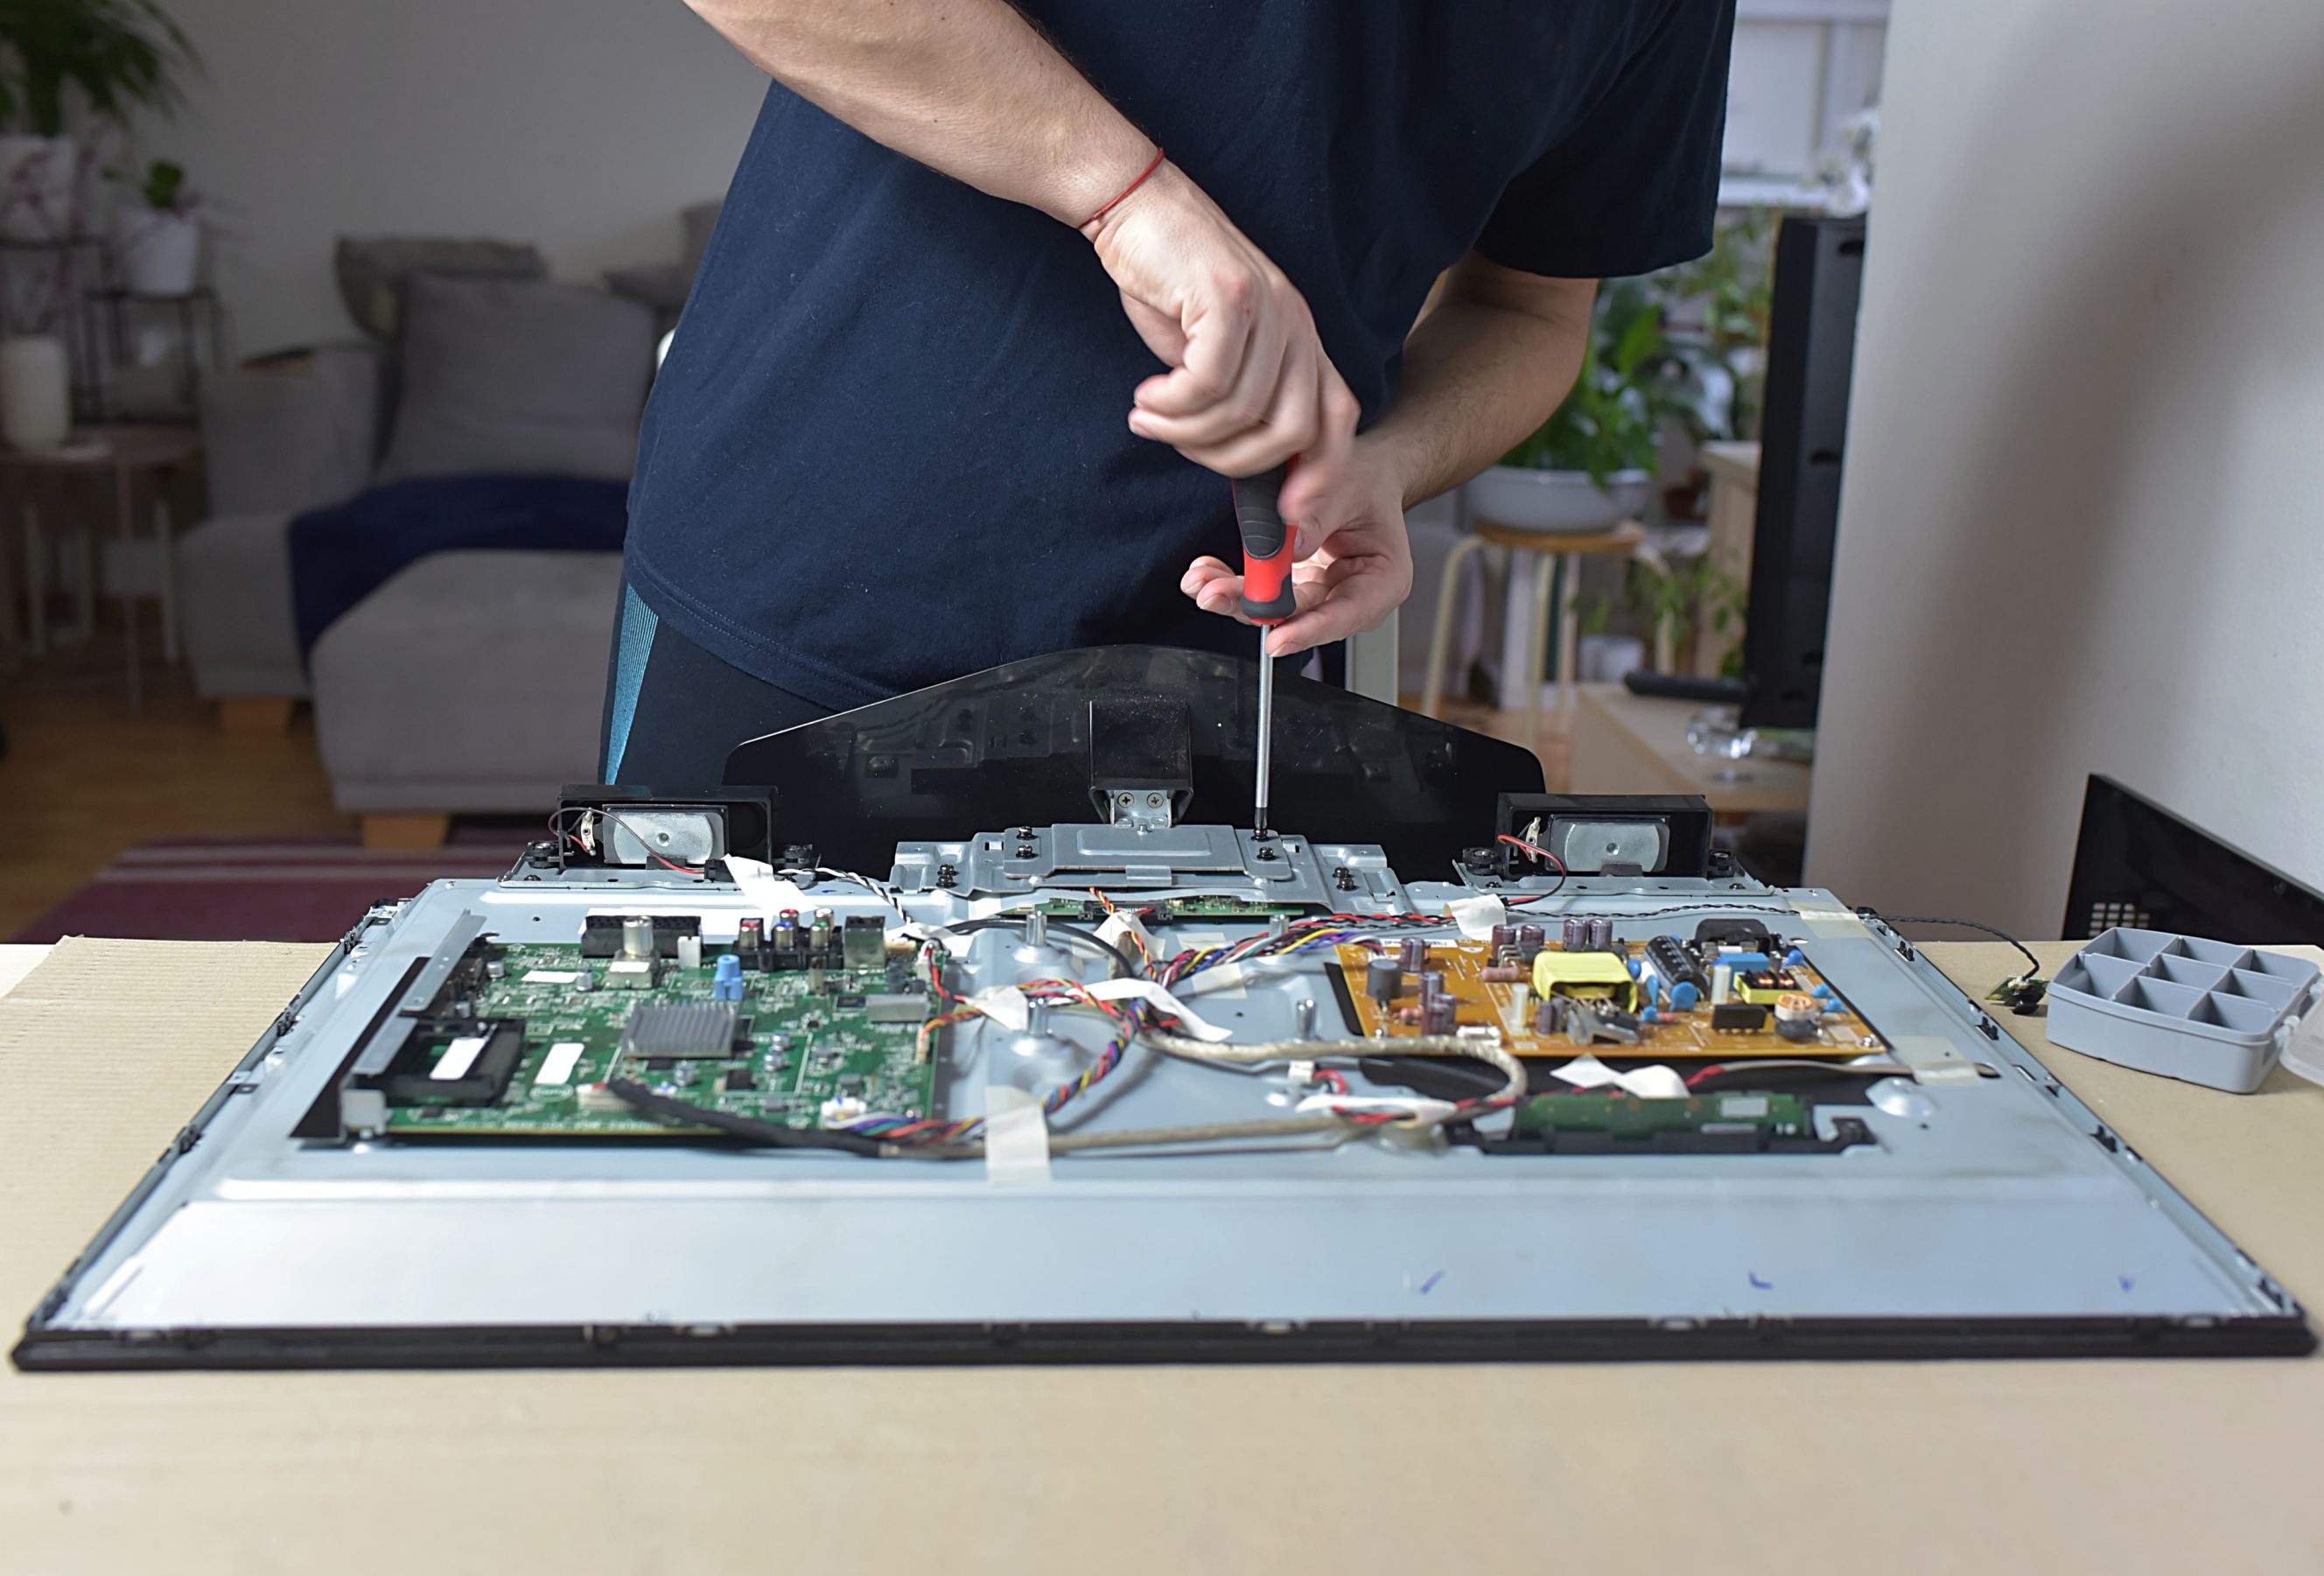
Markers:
<point>104,57</point>
<point>1592,463</point>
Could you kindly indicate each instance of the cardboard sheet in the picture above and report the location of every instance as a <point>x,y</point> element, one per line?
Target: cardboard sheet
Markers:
<point>2092,1466</point>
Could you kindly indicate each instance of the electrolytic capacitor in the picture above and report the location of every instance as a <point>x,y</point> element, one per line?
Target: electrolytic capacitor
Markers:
<point>1601,936</point>
<point>1544,1015</point>
<point>637,938</point>
<point>1503,935</point>
<point>1412,953</point>
<point>749,936</point>
<point>787,931</point>
<point>1383,979</point>
<point>1575,935</point>
<point>1438,1015</point>
<point>1432,984</point>
<point>819,939</point>
<point>1531,938</point>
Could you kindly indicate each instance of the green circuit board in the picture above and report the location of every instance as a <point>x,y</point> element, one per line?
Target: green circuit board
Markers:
<point>802,1038</point>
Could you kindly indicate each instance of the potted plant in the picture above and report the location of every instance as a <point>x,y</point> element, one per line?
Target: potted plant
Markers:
<point>1591,465</point>
<point>157,233</point>
<point>115,54</point>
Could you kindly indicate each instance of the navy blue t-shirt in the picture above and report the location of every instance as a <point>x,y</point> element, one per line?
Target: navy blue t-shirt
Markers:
<point>888,446</point>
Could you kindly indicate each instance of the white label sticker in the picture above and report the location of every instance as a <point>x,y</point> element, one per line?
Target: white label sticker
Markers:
<point>458,1058</point>
<point>551,977</point>
<point>556,1067</point>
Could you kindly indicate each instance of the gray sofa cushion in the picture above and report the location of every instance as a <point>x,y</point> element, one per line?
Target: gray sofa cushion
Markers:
<point>233,584</point>
<point>471,682</point>
<point>518,378</point>
<point>372,271</point>
<point>292,432</point>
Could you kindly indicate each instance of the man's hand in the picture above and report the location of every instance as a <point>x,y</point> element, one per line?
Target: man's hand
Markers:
<point>1357,563</point>
<point>1249,386</point>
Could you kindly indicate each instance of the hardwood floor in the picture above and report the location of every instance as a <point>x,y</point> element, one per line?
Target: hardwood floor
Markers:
<point>84,780</point>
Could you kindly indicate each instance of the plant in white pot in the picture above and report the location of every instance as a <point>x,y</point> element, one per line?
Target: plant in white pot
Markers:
<point>56,57</point>
<point>157,233</point>
<point>1591,465</point>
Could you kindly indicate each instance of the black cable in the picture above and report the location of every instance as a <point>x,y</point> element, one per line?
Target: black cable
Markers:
<point>750,1129</point>
<point>2032,963</point>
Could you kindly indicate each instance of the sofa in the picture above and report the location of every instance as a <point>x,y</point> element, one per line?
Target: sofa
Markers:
<point>466,681</point>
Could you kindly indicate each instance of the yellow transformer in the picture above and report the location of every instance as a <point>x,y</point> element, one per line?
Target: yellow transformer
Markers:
<point>1589,976</point>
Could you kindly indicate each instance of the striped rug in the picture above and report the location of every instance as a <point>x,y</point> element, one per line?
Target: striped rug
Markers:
<point>214,889</point>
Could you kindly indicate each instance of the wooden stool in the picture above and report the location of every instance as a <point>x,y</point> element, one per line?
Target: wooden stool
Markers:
<point>1549,549</point>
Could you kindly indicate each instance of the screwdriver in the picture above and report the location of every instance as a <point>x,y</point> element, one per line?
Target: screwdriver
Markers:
<point>1266,599</point>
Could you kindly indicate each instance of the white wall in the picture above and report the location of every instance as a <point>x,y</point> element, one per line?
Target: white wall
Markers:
<point>580,125</point>
<point>2083,523</point>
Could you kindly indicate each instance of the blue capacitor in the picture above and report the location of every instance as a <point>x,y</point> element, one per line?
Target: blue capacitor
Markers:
<point>1632,963</point>
<point>1795,959</point>
<point>1745,962</point>
<point>726,982</point>
<point>1650,1016</point>
<point>1683,996</point>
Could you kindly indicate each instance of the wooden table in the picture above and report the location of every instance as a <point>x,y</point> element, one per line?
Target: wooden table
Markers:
<point>125,452</point>
<point>1625,743</point>
<point>1726,1469</point>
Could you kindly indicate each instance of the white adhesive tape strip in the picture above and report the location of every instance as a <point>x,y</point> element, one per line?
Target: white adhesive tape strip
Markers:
<point>758,883</point>
<point>552,977</point>
<point>1004,1005</point>
<point>1154,995</point>
<point>1123,923</point>
<point>1476,916</point>
<point>1016,1139</point>
<point>1655,1083</point>
<point>1827,918</point>
<point>953,942</point>
<point>1406,1105</point>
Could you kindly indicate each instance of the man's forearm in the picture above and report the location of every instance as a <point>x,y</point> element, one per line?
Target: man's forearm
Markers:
<point>1480,371</point>
<point>966,87</point>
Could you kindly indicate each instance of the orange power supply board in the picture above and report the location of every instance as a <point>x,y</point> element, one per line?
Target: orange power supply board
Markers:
<point>1607,1008</point>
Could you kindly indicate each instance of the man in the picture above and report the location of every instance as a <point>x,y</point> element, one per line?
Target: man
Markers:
<point>969,354</point>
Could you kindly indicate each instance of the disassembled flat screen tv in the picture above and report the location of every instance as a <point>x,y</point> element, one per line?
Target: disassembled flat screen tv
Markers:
<point>1101,1079</point>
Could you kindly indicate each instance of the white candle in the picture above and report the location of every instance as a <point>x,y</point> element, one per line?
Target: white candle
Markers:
<point>35,395</point>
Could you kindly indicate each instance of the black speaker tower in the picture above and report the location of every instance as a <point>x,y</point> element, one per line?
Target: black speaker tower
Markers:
<point>1811,350</point>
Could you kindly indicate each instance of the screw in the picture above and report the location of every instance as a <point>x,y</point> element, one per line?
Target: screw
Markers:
<point>1154,800</point>
<point>1127,798</point>
<point>1266,853</point>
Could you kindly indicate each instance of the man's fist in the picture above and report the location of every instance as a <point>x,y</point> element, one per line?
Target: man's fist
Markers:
<point>1249,386</point>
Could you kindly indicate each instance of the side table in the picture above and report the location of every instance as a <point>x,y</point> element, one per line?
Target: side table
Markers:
<point>121,453</point>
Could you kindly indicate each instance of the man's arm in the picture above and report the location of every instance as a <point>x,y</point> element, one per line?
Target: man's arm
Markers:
<point>970,89</point>
<point>1485,367</point>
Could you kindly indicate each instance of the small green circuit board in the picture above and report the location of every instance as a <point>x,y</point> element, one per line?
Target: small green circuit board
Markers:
<point>1625,1116</point>
<point>1168,911</point>
<point>801,1033</point>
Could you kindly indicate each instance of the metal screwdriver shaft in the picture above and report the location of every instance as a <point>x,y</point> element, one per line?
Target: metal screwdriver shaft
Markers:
<point>1267,600</point>
<point>1265,733</point>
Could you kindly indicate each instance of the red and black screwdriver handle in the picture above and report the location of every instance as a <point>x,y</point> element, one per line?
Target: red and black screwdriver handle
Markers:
<point>1267,546</point>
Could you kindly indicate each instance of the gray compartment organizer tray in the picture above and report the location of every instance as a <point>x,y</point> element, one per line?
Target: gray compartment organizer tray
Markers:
<point>2178,1005</point>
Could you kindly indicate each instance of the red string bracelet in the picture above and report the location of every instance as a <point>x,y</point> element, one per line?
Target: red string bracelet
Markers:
<point>1123,194</point>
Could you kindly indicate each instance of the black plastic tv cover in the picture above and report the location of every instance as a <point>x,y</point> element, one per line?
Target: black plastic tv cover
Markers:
<point>1050,739</point>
